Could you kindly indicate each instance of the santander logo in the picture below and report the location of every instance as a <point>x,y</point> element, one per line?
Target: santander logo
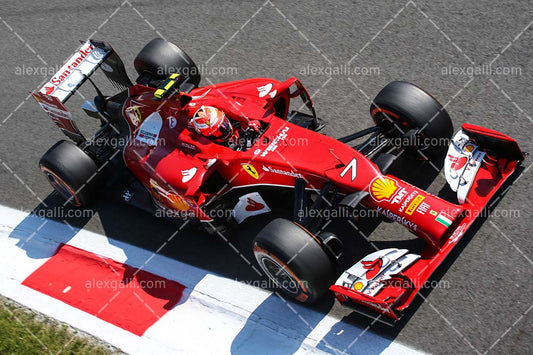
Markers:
<point>49,89</point>
<point>75,61</point>
<point>253,205</point>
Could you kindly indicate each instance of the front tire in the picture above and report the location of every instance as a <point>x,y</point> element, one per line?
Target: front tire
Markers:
<point>294,260</point>
<point>71,172</point>
<point>160,58</point>
<point>412,114</point>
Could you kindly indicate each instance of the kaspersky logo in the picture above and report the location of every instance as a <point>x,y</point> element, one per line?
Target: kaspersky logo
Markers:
<point>382,188</point>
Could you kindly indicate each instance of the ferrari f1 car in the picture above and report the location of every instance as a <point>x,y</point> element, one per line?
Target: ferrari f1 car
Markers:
<point>145,147</point>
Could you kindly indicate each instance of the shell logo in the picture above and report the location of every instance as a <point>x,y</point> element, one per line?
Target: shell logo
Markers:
<point>382,188</point>
<point>178,203</point>
<point>358,286</point>
<point>468,148</point>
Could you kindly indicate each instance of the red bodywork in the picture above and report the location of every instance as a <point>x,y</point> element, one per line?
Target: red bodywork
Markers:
<point>173,163</point>
<point>298,152</point>
<point>286,151</point>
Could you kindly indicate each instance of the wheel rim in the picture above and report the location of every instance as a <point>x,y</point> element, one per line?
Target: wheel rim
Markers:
<point>61,187</point>
<point>278,273</point>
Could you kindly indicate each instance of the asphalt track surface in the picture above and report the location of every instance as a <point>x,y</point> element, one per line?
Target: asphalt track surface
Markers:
<point>484,299</point>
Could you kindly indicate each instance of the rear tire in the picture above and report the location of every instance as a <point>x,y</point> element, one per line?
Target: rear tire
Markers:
<point>71,172</point>
<point>160,58</point>
<point>410,113</point>
<point>294,260</point>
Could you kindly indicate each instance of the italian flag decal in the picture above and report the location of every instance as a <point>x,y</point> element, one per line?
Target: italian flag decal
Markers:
<point>443,219</point>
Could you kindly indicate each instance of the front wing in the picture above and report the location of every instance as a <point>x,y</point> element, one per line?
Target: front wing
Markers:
<point>387,281</point>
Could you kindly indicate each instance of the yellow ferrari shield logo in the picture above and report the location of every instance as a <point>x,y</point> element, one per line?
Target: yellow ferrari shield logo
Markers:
<point>250,170</point>
<point>137,113</point>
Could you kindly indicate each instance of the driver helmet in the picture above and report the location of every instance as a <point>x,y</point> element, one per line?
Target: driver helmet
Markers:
<point>212,123</point>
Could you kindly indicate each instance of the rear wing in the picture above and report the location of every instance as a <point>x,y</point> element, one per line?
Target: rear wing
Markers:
<point>77,69</point>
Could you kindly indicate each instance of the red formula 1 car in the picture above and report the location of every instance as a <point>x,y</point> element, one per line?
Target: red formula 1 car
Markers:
<point>147,150</point>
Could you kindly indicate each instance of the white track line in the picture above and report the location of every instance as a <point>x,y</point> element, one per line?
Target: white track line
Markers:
<point>216,314</point>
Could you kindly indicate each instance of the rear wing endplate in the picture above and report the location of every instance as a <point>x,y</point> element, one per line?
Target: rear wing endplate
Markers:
<point>55,109</point>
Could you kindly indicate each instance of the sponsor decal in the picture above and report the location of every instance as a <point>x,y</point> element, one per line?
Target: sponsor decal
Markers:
<point>75,61</point>
<point>58,113</point>
<point>274,144</point>
<point>157,190</point>
<point>433,213</point>
<point>353,167</point>
<point>457,162</point>
<point>76,69</point>
<point>458,233</point>
<point>168,198</point>
<point>250,170</point>
<point>399,195</point>
<point>382,188</point>
<point>253,205</point>
<point>172,121</point>
<point>188,174</point>
<point>466,180</point>
<point>177,202</point>
<point>414,204</point>
<point>149,130</point>
<point>265,90</point>
<point>257,151</point>
<point>402,220</point>
<point>443,219</point>
<point>373,267</point>
<point>373,285</point>
<point>147,135</point>
<point>49,89</point>
<point>358,286</point>
<point>282,172</point>
<point>469,148</point>
<point>406,201</point>
<point>137,117</point>
<point>188,146</point>
<point>377,306</point>
<point>127,195</point>
<point>423,208</point>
